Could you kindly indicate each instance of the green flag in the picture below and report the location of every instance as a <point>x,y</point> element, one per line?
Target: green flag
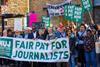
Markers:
<point>46,20</point>
<point>78,14</point>
<point>86,5</point>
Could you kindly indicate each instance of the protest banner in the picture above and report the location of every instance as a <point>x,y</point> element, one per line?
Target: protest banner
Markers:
<point>78,12</point>
<point>69,12</point>
<point>5,47</point>
<point>56,10</point>
<point>73,13</point>
<point>18,24</point>
<point>46,21</point>
<point>33,18</point>
<point>35,50</point>
<point>87,5</point>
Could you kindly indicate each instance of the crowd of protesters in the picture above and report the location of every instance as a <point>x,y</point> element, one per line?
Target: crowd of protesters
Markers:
<point>81,40</point>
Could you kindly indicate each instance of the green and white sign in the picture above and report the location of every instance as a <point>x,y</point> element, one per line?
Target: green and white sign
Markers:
<point>46,20</point>
<point>6,47</point>
<point>69,11</point>
<point>87,5</point>
<point>35,50</point>
<point>66,11</point>
<point>78,14</point>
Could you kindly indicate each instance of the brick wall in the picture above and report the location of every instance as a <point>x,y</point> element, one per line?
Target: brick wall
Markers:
<point>16,6</point>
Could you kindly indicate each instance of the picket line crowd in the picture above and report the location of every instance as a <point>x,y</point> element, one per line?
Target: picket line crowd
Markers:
<point>81,41</point>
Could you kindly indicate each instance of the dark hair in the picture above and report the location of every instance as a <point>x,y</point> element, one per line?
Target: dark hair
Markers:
<point>9,30</point>
<point>83,25</point>
<point>89,30</point>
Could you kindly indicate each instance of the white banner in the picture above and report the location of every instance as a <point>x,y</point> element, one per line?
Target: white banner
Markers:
<point>56,10</point>
<point>35,50</point>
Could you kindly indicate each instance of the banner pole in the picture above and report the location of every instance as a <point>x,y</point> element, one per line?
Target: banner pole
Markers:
<point>91,17</point>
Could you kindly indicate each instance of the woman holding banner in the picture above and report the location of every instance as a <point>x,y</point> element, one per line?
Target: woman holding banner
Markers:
<point>72,42</point>
<point>89,48</point>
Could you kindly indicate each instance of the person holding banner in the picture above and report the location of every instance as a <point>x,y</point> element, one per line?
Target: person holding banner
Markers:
<point>18,35</point>
<point>9,33</point>
<point>27,33</point>
<point>40,36</point>
<point>5,33</point>
<point>89,47</point>
<point>34,32</point>
<point>72,42</point>
<point>51,36</point>
<point>4,61</point>
<point>80,44</point>
<point>60,33</point>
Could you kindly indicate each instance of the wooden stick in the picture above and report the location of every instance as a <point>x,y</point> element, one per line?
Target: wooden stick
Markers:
<point>91,17</point>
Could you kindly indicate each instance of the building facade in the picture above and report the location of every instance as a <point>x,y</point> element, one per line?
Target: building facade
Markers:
<point>13,7</point>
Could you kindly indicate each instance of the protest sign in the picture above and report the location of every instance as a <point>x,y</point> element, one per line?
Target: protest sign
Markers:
<point>35,50</point>
<point>33,18</point>
<point>6,47</point>
<point>69,11</point>
<point>66,12</point>
<point>18,24</point>
<point>78,14</point>
<point>56,10</point>
<point>86,5</point>
<point>46,21</point>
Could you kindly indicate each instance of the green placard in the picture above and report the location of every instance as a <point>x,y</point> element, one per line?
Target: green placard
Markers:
<point>66,11</point>
<point>6,47</point>
<point>46,20</point>
<point>87,5</point>
<point>78,12</point>
<point>69,11</point>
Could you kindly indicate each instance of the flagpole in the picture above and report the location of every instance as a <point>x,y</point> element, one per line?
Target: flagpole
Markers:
<point>92,21</point>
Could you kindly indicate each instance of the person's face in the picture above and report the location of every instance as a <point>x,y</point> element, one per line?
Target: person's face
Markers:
<point>50,30</point>
<point>33,29</point>
<point>27,31</point>
<point>4,33</point>
<point>60,29</point>
<point>93,31</point>
<point>17,33</point>
<point>82,28</point>
<point>88,33</point>
<point>41,32</point>
<point>69,32</point>
<point>10,33</point>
